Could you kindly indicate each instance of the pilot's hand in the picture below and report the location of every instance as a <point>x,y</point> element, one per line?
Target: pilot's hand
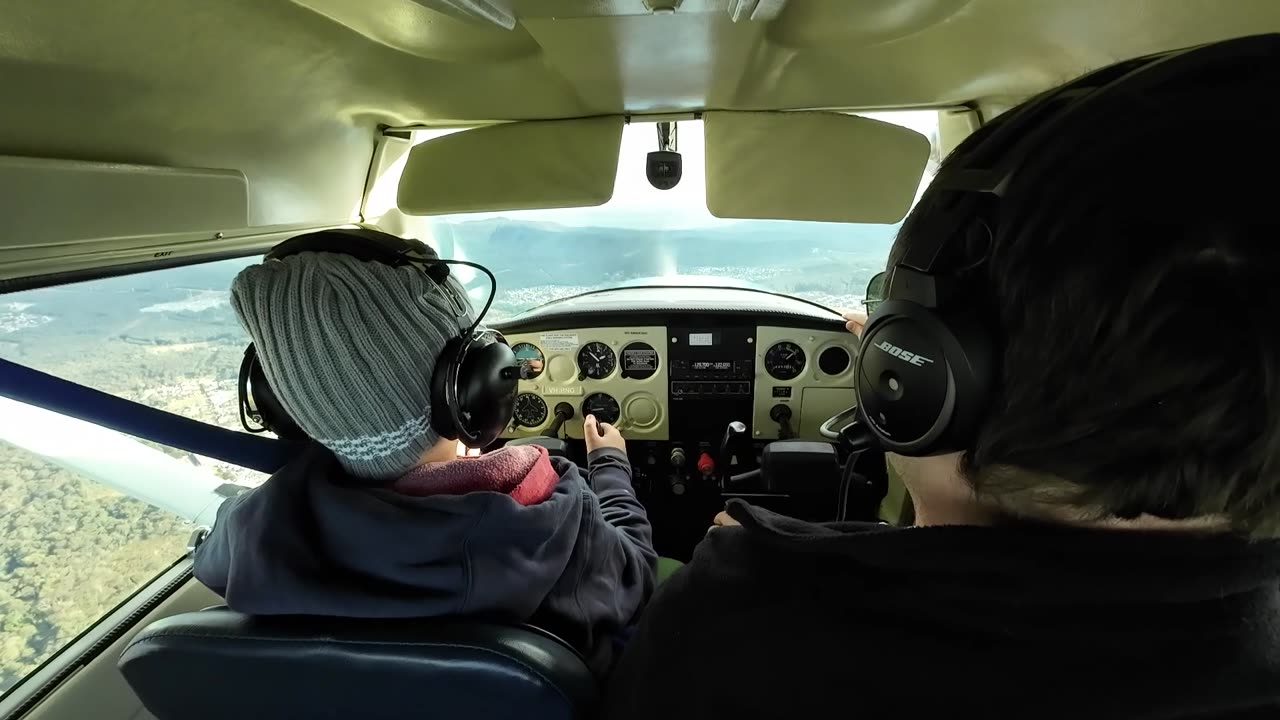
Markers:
<point>723,520</point>
<point>855,321</point>
<point>602,435</point>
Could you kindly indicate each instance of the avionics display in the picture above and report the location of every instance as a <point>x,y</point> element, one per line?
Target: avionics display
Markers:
<point>715,369</point>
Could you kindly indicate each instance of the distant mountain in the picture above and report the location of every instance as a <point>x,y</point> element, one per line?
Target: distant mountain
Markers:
<point>528,254</point>
<point>534,261</point>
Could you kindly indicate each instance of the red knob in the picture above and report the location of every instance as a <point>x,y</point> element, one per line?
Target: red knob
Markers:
<point>706,464</point>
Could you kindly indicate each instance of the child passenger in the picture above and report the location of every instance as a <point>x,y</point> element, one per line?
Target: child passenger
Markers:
<point>379,518</point>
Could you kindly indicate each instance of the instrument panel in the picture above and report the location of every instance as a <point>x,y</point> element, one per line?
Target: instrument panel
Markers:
<point>702,380</point>
<point>807,372</point>
<point>684,382</point>
<point>616,373</point>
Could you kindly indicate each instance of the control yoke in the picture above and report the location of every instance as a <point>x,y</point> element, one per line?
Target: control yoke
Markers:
<point>847,429</point>
<point>781,414</point>
<point>564,411</point>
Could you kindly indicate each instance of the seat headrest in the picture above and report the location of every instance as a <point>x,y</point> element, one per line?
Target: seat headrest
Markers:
<point>221,664</point>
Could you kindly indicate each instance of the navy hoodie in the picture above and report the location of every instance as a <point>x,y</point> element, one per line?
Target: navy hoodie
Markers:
<point>781,618</point>
<point>571,555</point>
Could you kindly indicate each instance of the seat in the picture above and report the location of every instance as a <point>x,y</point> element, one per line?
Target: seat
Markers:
<point>217,663</point>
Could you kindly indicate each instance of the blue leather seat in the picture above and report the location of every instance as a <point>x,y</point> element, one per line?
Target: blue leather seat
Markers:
<point>221,664</point>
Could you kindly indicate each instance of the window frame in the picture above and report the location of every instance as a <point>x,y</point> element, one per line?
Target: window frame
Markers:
<point>115,626</point>
<point>85,643</point>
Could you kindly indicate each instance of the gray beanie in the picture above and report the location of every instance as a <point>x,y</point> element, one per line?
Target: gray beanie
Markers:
<point>349,347</point>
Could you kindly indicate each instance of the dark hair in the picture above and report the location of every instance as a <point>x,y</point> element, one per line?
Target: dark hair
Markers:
<point>1132,286</point>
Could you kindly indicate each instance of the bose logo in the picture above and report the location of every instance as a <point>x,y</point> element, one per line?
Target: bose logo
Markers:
<point>894,350</point>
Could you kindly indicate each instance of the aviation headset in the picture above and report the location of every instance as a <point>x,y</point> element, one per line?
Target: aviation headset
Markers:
<point>928,360</point>
<point>473,386</point>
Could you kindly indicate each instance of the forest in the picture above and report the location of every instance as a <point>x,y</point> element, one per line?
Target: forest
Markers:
<point>71,549</point>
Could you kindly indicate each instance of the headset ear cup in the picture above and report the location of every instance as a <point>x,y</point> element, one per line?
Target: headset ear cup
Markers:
<point>487,385</point>
<point>473,389</point>
<point>444,413</point>
<point>972,362</point>
<point>248,409</point>
<point>270,412</point>
<point>922,382</point>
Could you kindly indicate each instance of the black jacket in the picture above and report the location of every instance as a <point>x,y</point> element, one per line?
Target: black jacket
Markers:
<point>786,619</point>
<point>579,563</point>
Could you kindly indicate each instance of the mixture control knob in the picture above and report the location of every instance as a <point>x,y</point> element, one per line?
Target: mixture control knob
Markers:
<point>706,465</point>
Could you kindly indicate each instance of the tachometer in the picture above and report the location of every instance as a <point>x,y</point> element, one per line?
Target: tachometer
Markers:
<point>531,410</point>
<point>603,406</point>
<point>596,361</point>
<point>784,361</point>
<point>531,360</point>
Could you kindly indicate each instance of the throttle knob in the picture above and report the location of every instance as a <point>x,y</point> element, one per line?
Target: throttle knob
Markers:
<point>676,480</point>
<point>677,458</point>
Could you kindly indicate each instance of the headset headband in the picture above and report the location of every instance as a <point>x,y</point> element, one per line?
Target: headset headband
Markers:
<point>369,246</point>
<point>990,173</point>
<point>376,246</point>
<point>490,403</point>
<point>928,360</point>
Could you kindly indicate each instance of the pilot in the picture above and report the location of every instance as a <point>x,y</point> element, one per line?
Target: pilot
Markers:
<point>380,517</point>
<point>1103,541</point>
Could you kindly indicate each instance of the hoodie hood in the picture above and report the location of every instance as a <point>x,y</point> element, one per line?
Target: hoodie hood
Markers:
<point>1055,564</point>
<point>1038,583</point>
<point>488,536</point>
<point>785,618</point>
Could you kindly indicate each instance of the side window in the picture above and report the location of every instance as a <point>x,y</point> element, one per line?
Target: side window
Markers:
<point>71,550</point>
<point>84,521</point>
<point>168,339</point>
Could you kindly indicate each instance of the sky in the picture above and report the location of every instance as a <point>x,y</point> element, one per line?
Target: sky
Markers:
<point>635,202</point>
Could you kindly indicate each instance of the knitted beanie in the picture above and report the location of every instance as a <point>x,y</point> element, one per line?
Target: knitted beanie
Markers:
<point>349,347</point>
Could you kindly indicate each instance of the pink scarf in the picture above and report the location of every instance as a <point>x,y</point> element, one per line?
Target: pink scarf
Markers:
<point>523,472</point>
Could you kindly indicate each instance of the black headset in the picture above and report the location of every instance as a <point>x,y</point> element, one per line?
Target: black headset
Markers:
<point>927,362</point>
<point>473,386</point>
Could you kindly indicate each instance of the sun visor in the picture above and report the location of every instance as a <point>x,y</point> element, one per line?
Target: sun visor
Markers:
<point>514,166</point>
<point>811,166</point>
<point>60,202</point>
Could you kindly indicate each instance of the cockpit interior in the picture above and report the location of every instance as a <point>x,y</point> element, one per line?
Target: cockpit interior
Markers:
<point>678,202</point>
<point>700,390</point>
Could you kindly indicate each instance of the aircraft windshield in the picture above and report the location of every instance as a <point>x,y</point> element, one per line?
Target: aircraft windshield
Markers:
<point>645,236</point>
